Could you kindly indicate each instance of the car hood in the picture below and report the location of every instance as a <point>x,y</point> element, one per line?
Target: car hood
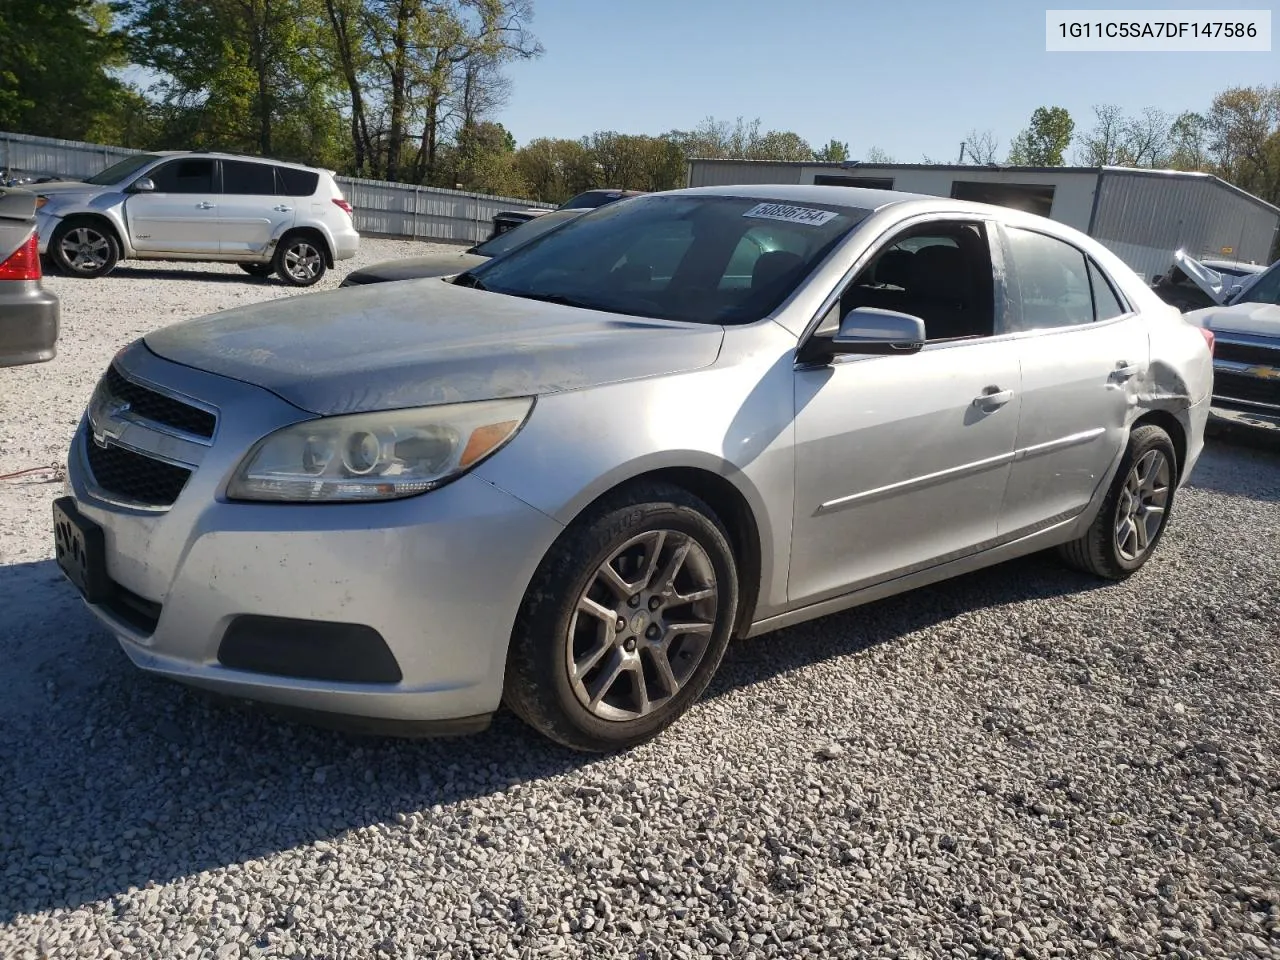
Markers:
<point>60,187</point>
<point>425,342</point>
<point>1257,319</point>
<point>414,268</point>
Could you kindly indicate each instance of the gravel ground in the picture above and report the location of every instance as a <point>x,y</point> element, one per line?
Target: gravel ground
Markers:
<point>1020,763</point>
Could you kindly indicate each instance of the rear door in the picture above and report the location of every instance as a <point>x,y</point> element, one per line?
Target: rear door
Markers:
<point>1084,355</point>
<point>181,214</point>
<point>249,211</point>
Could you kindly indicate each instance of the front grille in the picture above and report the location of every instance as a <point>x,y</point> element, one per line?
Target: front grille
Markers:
<point>159,408</point>
<point>1246,352</point>
<point>133,476</point>
<point>1237,386</point>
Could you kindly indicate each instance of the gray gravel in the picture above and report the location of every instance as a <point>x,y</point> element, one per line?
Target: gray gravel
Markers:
<point>1021,763</point>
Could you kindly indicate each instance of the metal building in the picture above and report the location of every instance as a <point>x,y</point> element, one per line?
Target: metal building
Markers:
<point>1143,216</point>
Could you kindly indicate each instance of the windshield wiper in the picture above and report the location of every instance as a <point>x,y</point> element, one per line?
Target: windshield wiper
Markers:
<point>468,280</point>
<point>561,299</point>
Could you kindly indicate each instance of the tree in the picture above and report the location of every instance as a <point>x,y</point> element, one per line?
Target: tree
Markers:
<point>1102,145</point>
<point>1189,145</point>
<point>980,148</point>
<point>834,152</point>
<point>876,155</point>
<point>1242,127</point>
<point>1045,140</point>
<point>720,139</point>
<point>55,62</point>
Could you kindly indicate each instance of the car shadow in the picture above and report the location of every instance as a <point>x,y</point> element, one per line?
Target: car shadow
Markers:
<point>206,276</point>
<point>104,793</point>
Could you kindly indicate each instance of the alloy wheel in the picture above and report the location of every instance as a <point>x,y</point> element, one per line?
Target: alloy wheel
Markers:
<point>1141,506</point>
<point>85,249</point>
<point>302,261</point>
<point>642,625</point>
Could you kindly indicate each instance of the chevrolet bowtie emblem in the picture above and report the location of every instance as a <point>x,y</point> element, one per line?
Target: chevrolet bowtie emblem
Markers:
<point>105,419</point>
<point>1264,373</point>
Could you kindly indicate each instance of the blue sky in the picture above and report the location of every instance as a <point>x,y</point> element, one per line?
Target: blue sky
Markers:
<point>912,76</point>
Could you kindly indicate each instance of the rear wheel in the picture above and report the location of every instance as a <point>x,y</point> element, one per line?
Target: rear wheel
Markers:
<point>261,270</point>
<point>625,621</point>
<point>1134,515</point>
<point>299,260</point>
<point>84,247</point>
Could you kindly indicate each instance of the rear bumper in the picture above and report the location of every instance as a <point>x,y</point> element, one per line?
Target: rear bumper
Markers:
<point>346,244</point>
<point>29,316</point>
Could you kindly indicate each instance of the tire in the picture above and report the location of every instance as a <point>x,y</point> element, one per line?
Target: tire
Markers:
<point>260,270</point>
<point>637,533</point>
<point>1120,541</point>
<point>299,260</point>
<point>84,247</point>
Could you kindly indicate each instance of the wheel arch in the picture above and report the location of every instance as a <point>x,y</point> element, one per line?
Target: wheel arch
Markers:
<point>1170,424</point>
<point>730,505</point>
<point>326,242</point>
<point>100,219</point>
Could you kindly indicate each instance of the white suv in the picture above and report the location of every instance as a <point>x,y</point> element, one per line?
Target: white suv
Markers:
<point>268,217</point>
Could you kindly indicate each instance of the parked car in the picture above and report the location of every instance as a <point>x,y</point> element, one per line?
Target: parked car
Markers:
<point>450,263</point>
<point>1245,323</point>
<point>587,200</point>
<point>1183,292</point>
<point>567,476</point>
<point>268,217</point>
<point>28,313</point>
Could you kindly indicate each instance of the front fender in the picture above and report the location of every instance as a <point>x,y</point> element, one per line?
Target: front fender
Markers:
<point>110,207</point>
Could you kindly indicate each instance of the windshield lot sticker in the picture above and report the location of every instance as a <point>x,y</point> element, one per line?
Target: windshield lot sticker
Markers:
<point>781,211</point>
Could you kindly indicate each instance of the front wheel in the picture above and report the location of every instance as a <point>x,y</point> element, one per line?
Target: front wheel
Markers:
<point>1134,515</point>
<point>84,248</point>
<point>299,261</point>
<point>625,621</point>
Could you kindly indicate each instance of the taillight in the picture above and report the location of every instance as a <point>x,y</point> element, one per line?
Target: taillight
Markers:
<point>23,263</point>
<point>345,205</point>
<point>1208,337</point>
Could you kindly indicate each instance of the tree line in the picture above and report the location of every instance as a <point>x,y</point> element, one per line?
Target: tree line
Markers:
<point>407,90</point>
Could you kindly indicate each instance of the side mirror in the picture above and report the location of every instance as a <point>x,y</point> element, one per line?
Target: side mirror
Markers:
<point>874,331</point>
<point>143,185</point>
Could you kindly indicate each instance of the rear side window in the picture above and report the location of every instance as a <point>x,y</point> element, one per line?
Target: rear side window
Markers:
<point>253,179</point>
<point>1105,302</point>
<point>296,183</point>
<point>1052,280</point>
<point>184,176</point>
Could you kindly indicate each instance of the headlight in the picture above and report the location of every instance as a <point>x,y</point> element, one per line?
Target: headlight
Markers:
<point>376,456</point>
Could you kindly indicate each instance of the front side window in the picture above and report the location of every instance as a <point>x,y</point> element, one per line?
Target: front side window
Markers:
<point>1050,278</point>
<point>940,272</point>
<point>248,179</point>
<point>669,257</point>
<point>184,176</point>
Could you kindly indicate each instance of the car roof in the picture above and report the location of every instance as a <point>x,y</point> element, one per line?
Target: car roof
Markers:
<point>860,197</point>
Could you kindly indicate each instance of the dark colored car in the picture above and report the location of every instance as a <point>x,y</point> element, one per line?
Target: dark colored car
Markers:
<point>29,313</point>
<point>447,264</point>
<point>587,200</point>
<point>1177,288</point>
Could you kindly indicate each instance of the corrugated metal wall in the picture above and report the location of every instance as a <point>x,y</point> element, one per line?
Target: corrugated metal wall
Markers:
<point>399,210</point>
<point>1144,218</point>
<point>717,173</point>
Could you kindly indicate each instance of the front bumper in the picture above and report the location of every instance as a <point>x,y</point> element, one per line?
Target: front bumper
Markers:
<point>1250,418</point>
<point>29,317</point>
<point>438,578</point>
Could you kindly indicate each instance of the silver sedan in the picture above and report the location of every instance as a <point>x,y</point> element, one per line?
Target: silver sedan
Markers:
<point>566,478</point>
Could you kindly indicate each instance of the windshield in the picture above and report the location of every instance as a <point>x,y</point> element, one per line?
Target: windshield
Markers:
<point>121,170</point>
<point>518,236</point>
<point>698,259</point>
<point>1265,289</point>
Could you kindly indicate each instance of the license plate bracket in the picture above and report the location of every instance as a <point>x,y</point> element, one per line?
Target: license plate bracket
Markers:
<point>81,551</point>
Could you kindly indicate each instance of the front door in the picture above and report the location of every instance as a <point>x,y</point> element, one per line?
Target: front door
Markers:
<point>249,212</point>
<point>901,461</point>
<point>1084,359</point>
<point>180,215</point>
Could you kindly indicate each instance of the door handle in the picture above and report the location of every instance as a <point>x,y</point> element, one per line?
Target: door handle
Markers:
<point>993,398</point>
<point>282,208</point>
<point>1124,371</point>
<point>204,205</point>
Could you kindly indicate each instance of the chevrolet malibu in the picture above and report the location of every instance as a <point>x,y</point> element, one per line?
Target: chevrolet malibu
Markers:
<point>567,477</point>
